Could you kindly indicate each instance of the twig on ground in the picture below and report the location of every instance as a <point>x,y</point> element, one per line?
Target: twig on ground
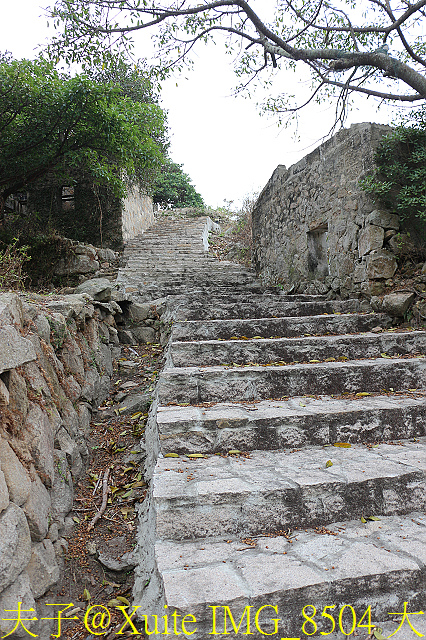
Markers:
<point>101,511</point>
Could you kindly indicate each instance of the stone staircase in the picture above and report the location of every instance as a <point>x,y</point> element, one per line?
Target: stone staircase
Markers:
<point>171,258</point>
<point>252,506</point>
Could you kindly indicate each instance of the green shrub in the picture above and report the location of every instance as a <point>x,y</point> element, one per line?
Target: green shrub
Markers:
<point>12,260</point>
<point>399,181</point>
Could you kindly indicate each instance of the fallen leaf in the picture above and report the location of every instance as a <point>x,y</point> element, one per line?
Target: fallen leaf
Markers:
<point>234,452</point>
<point>86,595</point>
<point>377,633</point>
<point>123,600</point>
<point>361,394</point>
<point>168,455</point>
<point>363,520</point>
<point>342,445</point>
<point>328,464</point>
<point>115,602</point>
<point>195,455</point>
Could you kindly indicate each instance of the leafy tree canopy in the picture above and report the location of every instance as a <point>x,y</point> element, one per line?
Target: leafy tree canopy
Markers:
<point>373,47</point>
<point>49,120</point>
<point>173,187</point>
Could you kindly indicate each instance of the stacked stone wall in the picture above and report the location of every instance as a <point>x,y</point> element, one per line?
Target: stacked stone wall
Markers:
<point>56,361</point>
<point>315,229</point>
<point>137,213</point>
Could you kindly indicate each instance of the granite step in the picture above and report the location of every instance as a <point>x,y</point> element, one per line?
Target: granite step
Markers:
<point>350,564</point>
<point>278,327</point>
<point>279,524</point>
<point>195,385</point>
<point>352,347</point>
<point>266,491</point>
<point>298,422</point>
<point>270,309</point>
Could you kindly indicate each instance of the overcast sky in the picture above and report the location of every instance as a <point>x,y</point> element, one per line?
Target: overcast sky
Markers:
<point>225,145</point>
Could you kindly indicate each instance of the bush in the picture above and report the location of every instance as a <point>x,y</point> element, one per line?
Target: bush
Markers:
<point>399,181</point>
<point>12,260</point>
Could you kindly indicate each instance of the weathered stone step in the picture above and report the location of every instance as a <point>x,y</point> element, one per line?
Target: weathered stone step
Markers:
<point>269,309</point>
<point>368,345</point>
<point>378,563</point>
<point>297,422</point>
<point>240,294</point>
<point>278,490</point>
<point>278,327</point>
<point>218,384</point>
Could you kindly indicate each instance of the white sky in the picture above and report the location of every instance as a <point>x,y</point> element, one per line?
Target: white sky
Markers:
<point>226,147</point>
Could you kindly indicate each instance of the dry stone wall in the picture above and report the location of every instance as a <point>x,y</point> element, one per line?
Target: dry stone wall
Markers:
<point>315,229</point>
<point>137,213</point>
<point>56,361</point>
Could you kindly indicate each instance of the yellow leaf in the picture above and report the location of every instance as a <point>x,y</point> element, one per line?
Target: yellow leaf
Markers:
<point>195,455</point>
<point>373,518</point>
<point>137,485</point>
<point>385,355</point>
<point>361,394</point>
<point>123,600</point>
<point>170,455</point>
<point>378,634</point>
<point>86,595</point>
<point>115,602</point>
<point>136,415</point>
<point>328,464</point>
<point>234,452</point>
<point>342,445</point>
<point>314,360</point>
<point>363,520</point>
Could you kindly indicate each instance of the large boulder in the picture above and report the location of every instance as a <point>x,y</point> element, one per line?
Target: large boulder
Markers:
<point>396,304</point>
<point>370,238</point>
<point>98,288</point>
<point>17,478</point>
<point>383,219</point>
<point>15,544</point>
<point>381,264</point>
<point>15,350</point>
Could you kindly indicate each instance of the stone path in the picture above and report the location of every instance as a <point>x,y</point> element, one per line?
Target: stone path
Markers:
<point>250,504</point>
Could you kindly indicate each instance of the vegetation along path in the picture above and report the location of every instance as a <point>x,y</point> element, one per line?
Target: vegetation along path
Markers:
<point>286,454</point>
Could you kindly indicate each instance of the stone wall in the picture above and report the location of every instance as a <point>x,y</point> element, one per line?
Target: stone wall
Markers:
<point>137,213</point>
<point>316,230</point>
<point>55,367</point>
